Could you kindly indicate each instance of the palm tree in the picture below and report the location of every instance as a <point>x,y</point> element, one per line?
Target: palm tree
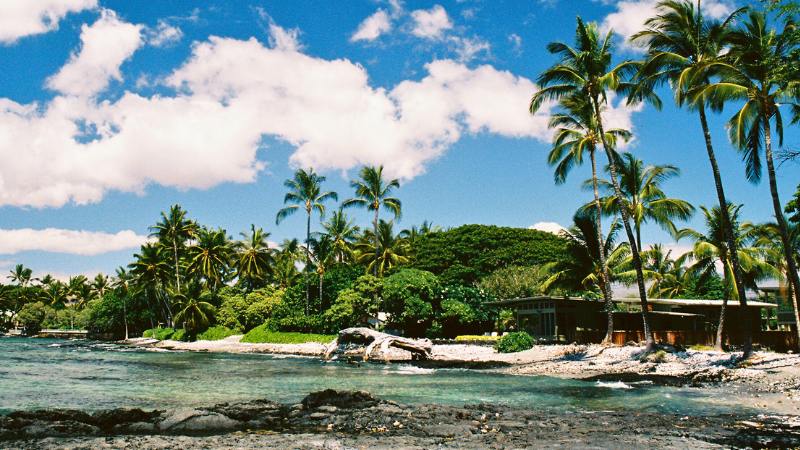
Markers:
<point>342,233</point>
<point>323,256</point>
<point>710,248</point>
<point>56,296</point>
<point>99,285</point>
<point>682,47</point>
<point>121,285</point>
<point>254,258</point>
<point>391,249</point>
<point>22,276</point>
<point>285,273</point>
<point>195,316</point>
<point>769,236</point>
<point>305,189</point>
<point>151,269</point>
<point>576,133</point>
<point>210,257</point>
<point>372,192</point>
<point>657,266</point>
<point>643,197</point>
<point>586,70</point>
<point>750,73</point>
<point>174,230</point>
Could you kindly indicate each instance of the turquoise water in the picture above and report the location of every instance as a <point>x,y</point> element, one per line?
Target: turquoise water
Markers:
<point>88,375</point>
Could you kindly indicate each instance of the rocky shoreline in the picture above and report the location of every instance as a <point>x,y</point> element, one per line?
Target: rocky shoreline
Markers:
<point>350,420</point>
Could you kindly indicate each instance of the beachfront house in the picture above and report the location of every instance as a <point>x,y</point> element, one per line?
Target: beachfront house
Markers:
<point>576,319</point>
<point>781,297</point>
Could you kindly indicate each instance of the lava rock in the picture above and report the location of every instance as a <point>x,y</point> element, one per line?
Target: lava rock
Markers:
<point>340,399</point>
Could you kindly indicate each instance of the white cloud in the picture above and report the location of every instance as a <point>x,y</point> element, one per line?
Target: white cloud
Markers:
<point>105,45</point>
<point>373,27</point>
<point>550,227</point>
<point>163,34</point>
<point>467,48</point>
<point>431,24</point>
<point>283,39</point>
<point>67,241</point>
<point>631,15</point>
<point>20,18</point>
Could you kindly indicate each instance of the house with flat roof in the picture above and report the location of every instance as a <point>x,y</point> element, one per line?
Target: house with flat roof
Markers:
<point>562,318</point>
<point>780,296</point>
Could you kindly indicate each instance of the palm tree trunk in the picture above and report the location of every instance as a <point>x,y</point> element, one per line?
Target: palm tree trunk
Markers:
<point>779,217</point>
<point>375,267</point>
<point>650,342</point>
<point>308,244</point>
<point>125,317</point>
<point>150,310</point>
<point>721,326</point>
<point>733,251</point>
<point>177,271</point>
<point>603,263</point>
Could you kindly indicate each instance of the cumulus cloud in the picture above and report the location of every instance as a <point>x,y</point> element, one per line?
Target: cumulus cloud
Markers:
<point>630,16</point>
<point>105,45</point>
<point>550,227</point>
<point>163,34</point>
<point>430,24</point>
<point>29,17</point>
<point>231,93</point>
<point>373,27</point>
<point>67,241</point>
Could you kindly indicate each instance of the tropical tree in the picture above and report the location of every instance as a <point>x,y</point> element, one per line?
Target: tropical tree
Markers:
<point>120,283</point>
<point>306,190</point>
<point>253,258</point>
<point>711,248</point>
<point>391,249</point>
<point>769,236</point>
<point>586,70</point>
<point>195,315</point>
<point>99,285</point>
<point>150,269</point>
<point>285,273</point>
<point>750,73</point>
<point>342,233</point>
<point>374,192</point>
<point>210,257</point>
<point>643,197</point>
<point>174,230</point>
<point>682,49</point>
<point>323,256</point>
<point>22,276</point>
<point>56,296</point>
<point>576,135</point>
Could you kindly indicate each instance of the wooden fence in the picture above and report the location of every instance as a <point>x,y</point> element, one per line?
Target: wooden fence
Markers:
<point>780,341</point>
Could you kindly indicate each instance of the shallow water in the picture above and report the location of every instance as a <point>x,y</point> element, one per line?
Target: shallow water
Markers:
<point>89,375</point>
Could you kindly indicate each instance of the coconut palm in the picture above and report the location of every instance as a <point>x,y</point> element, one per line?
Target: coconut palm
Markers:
<point>150,268</point>
<point>586,70</point>
<point>174,230</point>
<point>576,134</point>
<point>391,249</point>
<point>305,189</point>
<point>643,197</point>
<point>285,273</point>
<point>342,233</point>
<point>374,192</point>
<point>711,248</point>
<point>99,285</point>
<point>210,257</point>
<point>56,296</point>
<point>769,237</point>
<point>657,266</point>
<point>750,74</point>
<point>323,256</point>
<point>22,276</point>
<point>682,48</point>
<point>121,285</point>
<point>194,316</point>
<point>253,258</point>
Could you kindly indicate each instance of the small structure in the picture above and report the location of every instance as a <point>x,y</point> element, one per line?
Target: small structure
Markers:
<point>780,298</point>
<point>561,318</point>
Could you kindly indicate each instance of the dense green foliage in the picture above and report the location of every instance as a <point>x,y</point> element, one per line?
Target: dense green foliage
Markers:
<point>263,335</point>
<point>31,317</point>
<point>467,254</point>
<point>515,282</point>
<point>410,297</point>
<point>515,342</point>
<point>216,333</point>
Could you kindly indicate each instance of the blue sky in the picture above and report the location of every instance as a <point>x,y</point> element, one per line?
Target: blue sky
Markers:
<point>111,111</point>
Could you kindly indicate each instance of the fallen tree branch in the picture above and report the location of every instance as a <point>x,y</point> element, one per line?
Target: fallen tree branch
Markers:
<point>419,348</point>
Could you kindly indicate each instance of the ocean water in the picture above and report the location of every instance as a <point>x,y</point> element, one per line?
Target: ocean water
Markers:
<point>90,375</point>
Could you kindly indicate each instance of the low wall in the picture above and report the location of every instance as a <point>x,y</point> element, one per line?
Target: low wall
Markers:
<point>781,341</point>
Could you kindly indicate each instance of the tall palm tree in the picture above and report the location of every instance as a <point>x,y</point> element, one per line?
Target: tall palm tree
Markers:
<point>306,190</point>
<point>372,192</point>
<point>586,70</point>
<point>254,257</point>
<point>99,285</point>
<point>56,296</point>
<point>342,233</point>
<point>195,315</point>
<point>323,256</point>
<point>711,248</point>
<point>769,236</point>
<point>657,266</point>
<point>576,134</point>
<point>750,73</point>
<point>22,276</point>
<point>643,197</point>
<point>682,47</point>
<point>150,268</point>
<point>174,230</point>
<point>391,249</point>
<point>120,283</point>
<point>210,257</point>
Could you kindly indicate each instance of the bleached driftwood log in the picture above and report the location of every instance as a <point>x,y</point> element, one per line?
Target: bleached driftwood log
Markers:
<point>420,348</point>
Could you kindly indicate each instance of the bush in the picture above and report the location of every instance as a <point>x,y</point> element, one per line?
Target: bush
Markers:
<point>217,333</point>
<point>514,342</point>
<point>410,297</point>
<point>162,334</point>
<point>263,335</point>
<point>31,317</point>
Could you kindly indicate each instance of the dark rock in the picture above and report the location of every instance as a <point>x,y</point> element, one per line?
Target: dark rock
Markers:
<point>254,410</point>
<point>197,421</point>
<point>112,417</point>
<point>60,429</point>
<point>53,415</point>
<point>340,399</point>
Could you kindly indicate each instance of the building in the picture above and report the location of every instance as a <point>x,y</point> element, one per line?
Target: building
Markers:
<point>561,318</point>
<point>780,296</point>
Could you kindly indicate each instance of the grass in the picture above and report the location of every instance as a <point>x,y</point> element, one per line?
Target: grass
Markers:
<point>217,333</point>
<point>701,348</point>
<point>161,333</point>
<point>261,335</point>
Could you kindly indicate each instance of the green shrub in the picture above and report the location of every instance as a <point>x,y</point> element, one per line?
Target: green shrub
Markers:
<point>180,335</point>
<point>514,342</point>
<point>263,335</point>
<point>161,333</point>
<point>217,333</point>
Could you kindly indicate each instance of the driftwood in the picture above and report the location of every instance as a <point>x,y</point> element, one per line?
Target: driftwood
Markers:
<point>420,348</point>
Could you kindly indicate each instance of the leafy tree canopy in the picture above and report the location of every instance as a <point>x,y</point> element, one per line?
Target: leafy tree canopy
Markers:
<point>467,254</point>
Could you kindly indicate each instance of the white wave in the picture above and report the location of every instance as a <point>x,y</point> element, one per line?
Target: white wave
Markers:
<point>614,385</point>
<point>406,369</point>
